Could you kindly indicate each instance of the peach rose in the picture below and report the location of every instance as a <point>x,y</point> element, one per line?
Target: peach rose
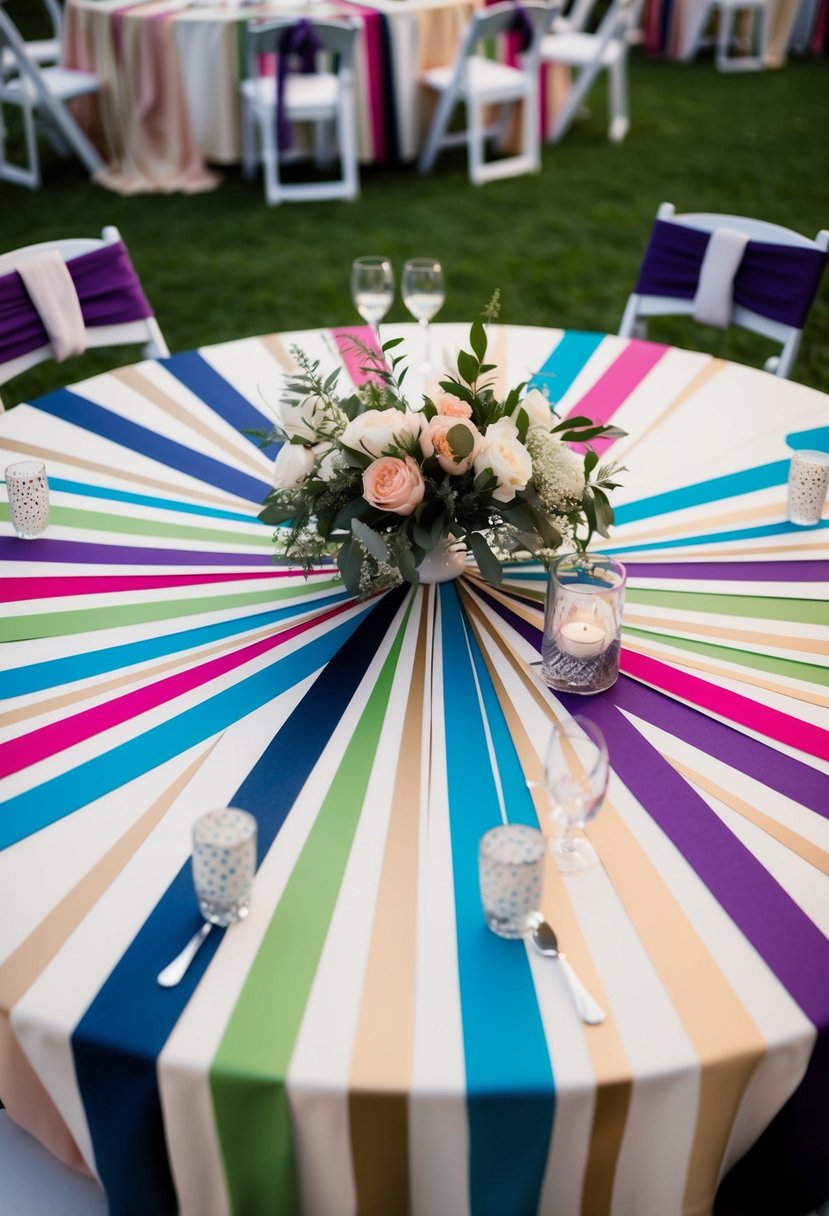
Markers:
<point>435,441</point>
<point>394,485</point>
<point>450,406</point>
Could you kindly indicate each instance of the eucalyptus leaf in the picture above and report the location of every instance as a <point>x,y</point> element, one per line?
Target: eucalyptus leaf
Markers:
<point>488,563</point>
<point>372,540</point>
<point>461,440</point>
<point>350,563</point>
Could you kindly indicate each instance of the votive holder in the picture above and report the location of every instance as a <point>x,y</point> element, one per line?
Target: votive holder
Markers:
<point>28,493</point>
<point>511,876</point>
<point>583,623</point>
<point>224,863</point>
<point>808,483</point>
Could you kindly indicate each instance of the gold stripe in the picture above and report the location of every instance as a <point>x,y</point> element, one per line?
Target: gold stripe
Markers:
<point>773,511</point>
<point>726,1039</point>
<point>804,848</point>
<point>381,1060</point>
<point>708,372</point>
<point>744,676</point>
<point>93,466</point>
<point>141,384</point>
<point>748,636</point>
<point>276,347</point>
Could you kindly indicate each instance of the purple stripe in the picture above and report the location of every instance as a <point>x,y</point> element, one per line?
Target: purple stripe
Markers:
<point>78,551</point>
<point>780,772</point>
<point>770,572</point>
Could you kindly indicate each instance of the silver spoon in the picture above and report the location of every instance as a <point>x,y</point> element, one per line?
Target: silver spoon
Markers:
<point>545,941</point>
<point>174,972</point>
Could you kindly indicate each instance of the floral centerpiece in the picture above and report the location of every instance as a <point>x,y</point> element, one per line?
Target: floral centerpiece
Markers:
<point>382,485</point>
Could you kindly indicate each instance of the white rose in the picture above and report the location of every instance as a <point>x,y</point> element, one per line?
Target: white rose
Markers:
<point>507,457</point>
<point>292,465</point>
<point>538,410</point>
<point>376,431</point>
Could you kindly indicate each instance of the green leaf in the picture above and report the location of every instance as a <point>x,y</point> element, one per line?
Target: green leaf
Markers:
<point>461,441</point>
<point>392,342</point>
<point>488,563</point>
<point>591,459</point>
<point>522,421</point>
<point>468,366</point>
<point>406,566</point>
<point>477,339</point>
<point>604,511</point>
<point>274,514</point>
<point>350,563</point>
<point>372,540</point>
<point>358,508</point>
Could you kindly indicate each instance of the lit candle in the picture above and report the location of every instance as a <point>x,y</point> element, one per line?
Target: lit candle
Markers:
<point>583,639</point>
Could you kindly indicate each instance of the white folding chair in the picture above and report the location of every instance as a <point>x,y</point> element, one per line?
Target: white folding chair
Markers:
<point>756,36</point>
<point>36,1184</point>
<point>589,54</point>
<point>143,330</point>
<point>777,277</point>
<point>324,99</point>
<point>42,50</point>
<point>480,83</point>
<point>41,94</point>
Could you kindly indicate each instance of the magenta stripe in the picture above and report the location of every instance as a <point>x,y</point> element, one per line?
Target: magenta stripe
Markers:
<point>15,589</point>
<point>371,20</point>
<point>771,723</point>
<point>614,387</point>
<point>352,358</point>
<point>17,754</point>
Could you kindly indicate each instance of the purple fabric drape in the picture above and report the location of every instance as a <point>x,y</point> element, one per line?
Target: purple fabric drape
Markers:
<point>108,290</point>
<point>522,27</point>
<point>777,281</point>
<point>299,42</point>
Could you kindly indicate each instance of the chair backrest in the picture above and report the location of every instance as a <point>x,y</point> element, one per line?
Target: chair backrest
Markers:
<point>497,19</point>
<point>334,37</point>
<point>42,50</point>
<point>772,283</point>
<point>619,19</point>
<point>114,309</point>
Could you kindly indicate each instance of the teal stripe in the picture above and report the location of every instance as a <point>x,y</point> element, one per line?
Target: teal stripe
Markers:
<point>510,1091</point>
<point>50,801</point>
<point>784,528</point>
<point>564,363</point>
<point>145,500</point>
<point>763,477</point>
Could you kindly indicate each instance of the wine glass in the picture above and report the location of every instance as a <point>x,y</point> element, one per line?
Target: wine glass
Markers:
<point>372,290</point>
<point>576,773</point>
<point>423,294</point>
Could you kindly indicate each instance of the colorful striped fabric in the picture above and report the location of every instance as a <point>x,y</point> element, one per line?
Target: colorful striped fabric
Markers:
<point>361,1043</point>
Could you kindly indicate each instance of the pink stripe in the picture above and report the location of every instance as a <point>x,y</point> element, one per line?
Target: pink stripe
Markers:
<point>15,589</point>
<point>614,387</point>
<point>17,754</point>
<point>374,66</point>
<point>352,358</point>
<point>732,706</point>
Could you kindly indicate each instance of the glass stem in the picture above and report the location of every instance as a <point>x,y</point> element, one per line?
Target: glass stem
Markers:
<point>567,843</point>
<point>424,327</point>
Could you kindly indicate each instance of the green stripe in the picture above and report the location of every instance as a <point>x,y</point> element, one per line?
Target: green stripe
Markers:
<point>247,1077</point>
<point>102,521</point>
<point>789,669</point>
<point>84,620</point>
<point>759,607</point>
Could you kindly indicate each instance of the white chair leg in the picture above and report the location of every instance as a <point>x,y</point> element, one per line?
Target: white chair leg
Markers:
<point>347,138</point>
<point>249,157</point>
<point>476,136</point>
<point>617,97</point>
<point>270,159</point>
<point>437,130</point>
<point>576,94</point>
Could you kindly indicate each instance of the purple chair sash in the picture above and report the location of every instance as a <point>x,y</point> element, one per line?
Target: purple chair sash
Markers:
<point>299,42</point>
<point>777,281</point>
<point>108,290</point>
<point>522,27</point>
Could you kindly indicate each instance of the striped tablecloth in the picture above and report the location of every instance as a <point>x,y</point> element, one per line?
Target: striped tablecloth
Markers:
<point>361,1043</point>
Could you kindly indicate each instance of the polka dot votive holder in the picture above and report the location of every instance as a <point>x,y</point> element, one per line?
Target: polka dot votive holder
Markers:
<point>511,876</point>
<point>28,493</point>
<point>808,483</point>
<point>224,863</point>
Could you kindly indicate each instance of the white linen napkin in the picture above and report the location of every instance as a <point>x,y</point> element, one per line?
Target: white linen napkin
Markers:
<point>714,300</point>
<point>53,294</point>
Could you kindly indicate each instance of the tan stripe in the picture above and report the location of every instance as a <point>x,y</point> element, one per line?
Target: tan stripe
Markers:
<point>745,675</point>
<point>726,1039</point>
<point>708,372</point>
<point>141,384</point>
<point>733,519</point>
<point>747,636</point>
<point>381,1061</point>
<point>93,466</point>
<point>610,1062</point>
<point>804,848</point>
<point>24,1095</point>
<point>141,675</point>
<point>532,613</point>
<point>276,347</point>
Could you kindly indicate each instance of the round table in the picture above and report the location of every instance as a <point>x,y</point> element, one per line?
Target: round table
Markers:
<point>361,1042</point>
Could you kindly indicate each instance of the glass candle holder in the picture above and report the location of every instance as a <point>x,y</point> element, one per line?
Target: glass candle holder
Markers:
<point>28,494</point>
<point>808,483</point>
<point>511,876</point>
<point>583,623</point>
<point>224,863</point>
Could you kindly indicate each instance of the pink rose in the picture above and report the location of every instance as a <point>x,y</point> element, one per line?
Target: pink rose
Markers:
<point>435,441</point>
<point>394,485</point>
<point>451,406</point>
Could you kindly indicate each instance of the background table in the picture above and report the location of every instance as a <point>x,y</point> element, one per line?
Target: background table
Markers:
<point>361,1041</point>
<point>171,73</point>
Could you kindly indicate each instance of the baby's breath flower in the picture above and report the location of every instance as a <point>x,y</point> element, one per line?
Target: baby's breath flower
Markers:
<point>558,473</point>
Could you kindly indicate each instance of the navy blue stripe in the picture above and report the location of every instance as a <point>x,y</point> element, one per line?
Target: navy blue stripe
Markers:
<point>195,373</point>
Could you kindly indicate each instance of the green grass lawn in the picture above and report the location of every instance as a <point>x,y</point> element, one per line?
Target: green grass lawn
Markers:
<point>563,246</point>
